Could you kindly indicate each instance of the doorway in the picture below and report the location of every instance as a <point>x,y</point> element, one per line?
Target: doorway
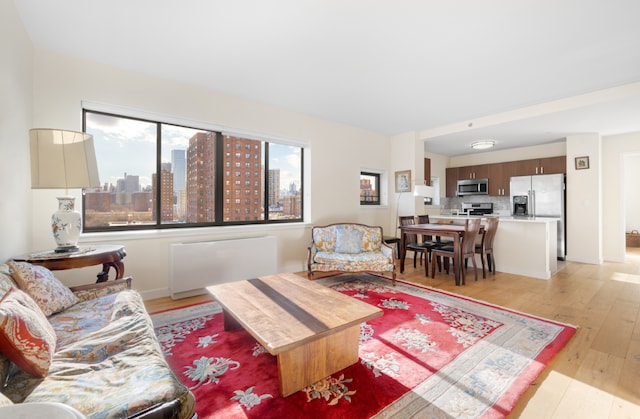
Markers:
<point>631,204</point>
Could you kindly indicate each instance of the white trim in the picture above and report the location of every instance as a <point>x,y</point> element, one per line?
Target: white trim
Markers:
<point>384,187</point>
<point>209,231</point>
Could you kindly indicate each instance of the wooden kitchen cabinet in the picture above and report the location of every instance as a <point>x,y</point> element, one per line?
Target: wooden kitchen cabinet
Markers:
<point>452,181</point>
<point>473,172</point>
<point>544,166</point>
<point>427,171</point>
<point>499,177</point>
<point>552,165</point>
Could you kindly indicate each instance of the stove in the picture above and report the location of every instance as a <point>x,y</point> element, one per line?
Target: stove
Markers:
<point>480,208</point>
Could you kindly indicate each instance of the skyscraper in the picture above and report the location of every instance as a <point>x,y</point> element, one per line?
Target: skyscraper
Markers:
<point>274,188</point>
<point>178,163</point>
<point>201,178</point>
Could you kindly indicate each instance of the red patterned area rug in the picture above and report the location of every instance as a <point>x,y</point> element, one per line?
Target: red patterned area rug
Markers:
<point>432,354</point>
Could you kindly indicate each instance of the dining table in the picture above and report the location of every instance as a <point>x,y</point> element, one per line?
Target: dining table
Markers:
<point>455,231</point>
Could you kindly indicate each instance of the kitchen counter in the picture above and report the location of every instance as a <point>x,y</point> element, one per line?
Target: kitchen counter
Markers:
<point>461,218</point>
<point>522,246</point>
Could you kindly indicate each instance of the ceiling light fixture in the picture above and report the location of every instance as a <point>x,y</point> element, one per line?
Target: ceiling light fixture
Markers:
<point>481,145</point>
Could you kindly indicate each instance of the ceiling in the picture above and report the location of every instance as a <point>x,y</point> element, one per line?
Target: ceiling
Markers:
<point>519,72</point>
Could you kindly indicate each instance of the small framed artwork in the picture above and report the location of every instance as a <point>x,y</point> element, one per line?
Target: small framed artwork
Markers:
<point>403,181</point>
<point>582,163</point>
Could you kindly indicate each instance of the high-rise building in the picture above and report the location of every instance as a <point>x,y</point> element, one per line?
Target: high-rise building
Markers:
<point>242,182</point>
<point>274,189</point>
<point>166,193</point>
<point>200,182</point>
<point>179,170</point>
<point>178,162</point>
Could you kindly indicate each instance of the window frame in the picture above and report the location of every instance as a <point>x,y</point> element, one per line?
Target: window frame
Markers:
<point>220,169</point>
<point>377,176</point>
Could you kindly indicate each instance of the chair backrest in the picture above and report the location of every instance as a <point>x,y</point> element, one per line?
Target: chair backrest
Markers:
<point>489,233</point>
<point>407,220</point>
<point>471,229</point>
<point>424,219</point>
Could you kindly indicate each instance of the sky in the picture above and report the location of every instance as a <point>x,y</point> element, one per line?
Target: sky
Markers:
<point>128,146</point>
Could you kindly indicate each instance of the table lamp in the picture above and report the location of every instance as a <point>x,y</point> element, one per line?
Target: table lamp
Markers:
<point>63,159</point>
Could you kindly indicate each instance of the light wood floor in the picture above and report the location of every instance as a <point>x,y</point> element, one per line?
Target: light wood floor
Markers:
<point>597,375</point>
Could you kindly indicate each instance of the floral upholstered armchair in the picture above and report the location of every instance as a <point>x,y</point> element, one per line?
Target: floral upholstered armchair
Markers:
<point>349,247</point>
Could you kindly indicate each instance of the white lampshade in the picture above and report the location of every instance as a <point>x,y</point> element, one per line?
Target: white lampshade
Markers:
<point>424,191</point>
<point>62,159</point>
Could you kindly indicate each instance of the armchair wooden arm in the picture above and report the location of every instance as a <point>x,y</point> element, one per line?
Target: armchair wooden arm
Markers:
<point>90,291</point>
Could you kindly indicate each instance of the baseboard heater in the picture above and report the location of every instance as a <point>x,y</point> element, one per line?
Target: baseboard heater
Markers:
<point>194,266</point>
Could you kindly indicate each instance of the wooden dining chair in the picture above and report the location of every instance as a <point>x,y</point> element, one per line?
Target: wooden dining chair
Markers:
<point>468,247</point>
<point>485,248</point>
<point>430,241</point>
<point>411,242</point>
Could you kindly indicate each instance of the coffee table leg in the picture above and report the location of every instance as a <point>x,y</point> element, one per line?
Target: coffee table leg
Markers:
<point>229,322</point>
<point>313,361</point>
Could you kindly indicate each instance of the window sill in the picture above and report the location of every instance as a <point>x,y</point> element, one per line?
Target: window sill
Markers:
<point>112,236</point>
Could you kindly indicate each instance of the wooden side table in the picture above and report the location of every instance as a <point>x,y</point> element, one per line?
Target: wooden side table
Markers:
<point>109,256</point>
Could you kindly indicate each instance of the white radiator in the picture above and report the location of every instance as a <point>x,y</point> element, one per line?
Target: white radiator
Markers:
<point>193,266</point>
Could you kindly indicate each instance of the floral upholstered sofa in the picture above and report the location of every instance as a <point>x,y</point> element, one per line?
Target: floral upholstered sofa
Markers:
<point>349,247</point>
<point>92,348</point>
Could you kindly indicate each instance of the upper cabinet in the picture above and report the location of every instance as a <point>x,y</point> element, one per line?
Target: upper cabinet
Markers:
<point>499,174</point>
<point>544,166</point>
<point>499,177</point>
<point>427,171</point>
<point>552,165</point>
<point>452,181</point>
<point>473,172</point>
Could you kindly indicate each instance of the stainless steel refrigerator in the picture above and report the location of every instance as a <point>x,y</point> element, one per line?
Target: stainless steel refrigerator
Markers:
<point>541,196</point>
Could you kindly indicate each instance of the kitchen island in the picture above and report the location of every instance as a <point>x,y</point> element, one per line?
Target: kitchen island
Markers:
<point>522,246</point>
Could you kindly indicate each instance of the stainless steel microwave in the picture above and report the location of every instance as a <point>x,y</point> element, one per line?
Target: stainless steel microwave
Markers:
<point>473,187</point>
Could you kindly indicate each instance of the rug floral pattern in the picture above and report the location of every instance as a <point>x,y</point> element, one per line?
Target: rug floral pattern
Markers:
<point>458,357</point>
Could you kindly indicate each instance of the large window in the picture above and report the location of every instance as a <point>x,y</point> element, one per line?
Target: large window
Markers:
<point>205,177</point>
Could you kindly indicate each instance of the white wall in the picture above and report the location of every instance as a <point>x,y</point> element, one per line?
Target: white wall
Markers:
<point>15,120</point>
<point>403,157</point>
<point>337,152</point>
<point>614,171</point>
<point>584,200</point>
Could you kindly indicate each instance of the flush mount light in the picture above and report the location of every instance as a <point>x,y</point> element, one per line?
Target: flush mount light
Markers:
<point>481,145</point>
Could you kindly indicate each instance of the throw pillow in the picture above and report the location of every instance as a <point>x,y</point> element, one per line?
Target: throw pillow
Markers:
<point>26,337</point>
<point>51,295</point>
<point>348,241</point>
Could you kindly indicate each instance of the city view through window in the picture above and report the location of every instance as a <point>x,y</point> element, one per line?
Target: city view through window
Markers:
<point>206,177</point>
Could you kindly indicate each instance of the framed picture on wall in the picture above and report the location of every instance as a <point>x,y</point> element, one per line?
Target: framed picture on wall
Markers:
<point>403,181</point>
<point>582,163</point>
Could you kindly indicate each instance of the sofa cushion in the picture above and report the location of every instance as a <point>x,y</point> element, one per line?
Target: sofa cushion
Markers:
<point>324,238</point>
<point>51,295</point>
<point>348,240</point>
<point>108,363</point>
<point>26,337</point>
<point>6,281</point>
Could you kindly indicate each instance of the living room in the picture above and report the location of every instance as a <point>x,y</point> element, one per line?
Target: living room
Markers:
<point>45,88</point>
<point>49,88</point>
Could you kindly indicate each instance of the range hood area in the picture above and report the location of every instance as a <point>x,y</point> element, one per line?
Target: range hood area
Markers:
<point>468,187</point>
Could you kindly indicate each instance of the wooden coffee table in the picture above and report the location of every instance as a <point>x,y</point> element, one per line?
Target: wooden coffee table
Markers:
<point>313,330</point>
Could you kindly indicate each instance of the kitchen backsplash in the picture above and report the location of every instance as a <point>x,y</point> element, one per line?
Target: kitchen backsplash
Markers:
<point>501,204</point>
